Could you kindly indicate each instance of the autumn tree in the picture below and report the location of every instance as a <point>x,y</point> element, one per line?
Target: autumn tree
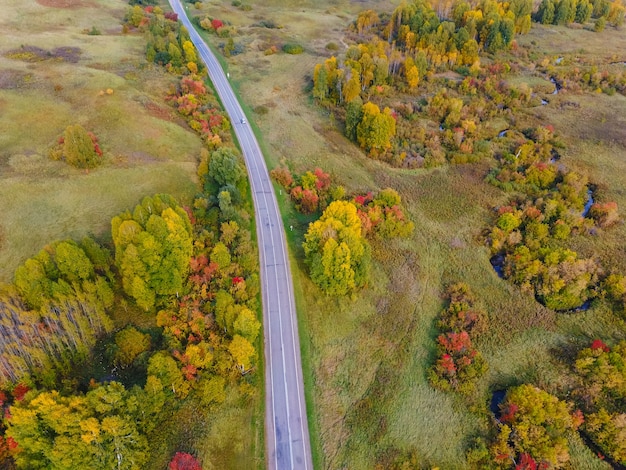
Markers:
<point>337,254</point>
<point>152,249</point>
<point>78,147</point>
<point>103,429</point>
<point>534,422</point>
<point>130,343</point>
<point>376,129</point>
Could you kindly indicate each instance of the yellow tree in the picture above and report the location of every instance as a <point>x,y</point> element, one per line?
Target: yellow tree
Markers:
<point>336,251</point>
<point>376,128</point>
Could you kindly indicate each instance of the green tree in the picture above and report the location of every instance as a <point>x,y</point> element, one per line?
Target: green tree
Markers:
<point>354,115</point>
<point>545,12</point>
<point>79,148</point>
<point>152,249</point>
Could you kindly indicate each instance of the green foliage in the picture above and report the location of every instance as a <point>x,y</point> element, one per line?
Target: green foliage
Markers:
<point>293,48</point>
<point>536,423</point>
<point>78,147</point>
<point>152,249</point>
<point>337,254</point>
<point>62,269</point>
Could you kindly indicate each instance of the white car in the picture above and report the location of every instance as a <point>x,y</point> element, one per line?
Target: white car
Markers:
<point>243,120</point>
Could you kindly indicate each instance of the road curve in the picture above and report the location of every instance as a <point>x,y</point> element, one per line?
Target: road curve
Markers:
<point>286,427</point>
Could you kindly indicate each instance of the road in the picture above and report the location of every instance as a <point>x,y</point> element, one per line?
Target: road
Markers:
<point>286,427</point>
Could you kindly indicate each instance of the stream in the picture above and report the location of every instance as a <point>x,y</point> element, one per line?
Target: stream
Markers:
<point>557,87</point>
<point>589,203</point>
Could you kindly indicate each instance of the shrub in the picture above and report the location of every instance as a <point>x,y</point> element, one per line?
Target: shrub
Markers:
<point>78,147</point>
<point>184,461</point>
<point>292,48</point>
<point>459,364</point>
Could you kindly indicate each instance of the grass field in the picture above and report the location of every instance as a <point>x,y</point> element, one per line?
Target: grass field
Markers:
<point>368,357</point>
<point>146,149</point>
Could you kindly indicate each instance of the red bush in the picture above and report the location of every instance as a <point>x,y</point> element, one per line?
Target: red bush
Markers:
<point>19,391</point>
<point>184,461</point>
<point>599,344</point>
<point>217,24</point>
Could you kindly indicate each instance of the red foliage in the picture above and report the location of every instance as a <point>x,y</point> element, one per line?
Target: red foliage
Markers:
<point>237,280</point>
<point>184,461</point>
<point>532,212</point>
<point>447,364</point>
<point>282,176</point>
<point>215,120</point>
<point>526,462</point>
<point>364,199</point>
<point>199,263</point>
<point>149,9</point>
<point>578,419</point>
<point>170,15</point>
<point>309,202</point>
<point>189,212</point>
<point>189,85</point>
<point>216,24</point>
<point>19,391</point>
<point>296,193</point>
<point>505,210</point>
<point>323,180</point>
<point>599,344</point>
<point>3,397</point>
<point>456,342</point>
<point>189,372</point>
<point>508,413</point>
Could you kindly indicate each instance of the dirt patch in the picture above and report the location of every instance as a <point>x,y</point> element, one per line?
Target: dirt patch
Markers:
<point>63,3</point>
<point>158,112</point>
<point>38,54</point>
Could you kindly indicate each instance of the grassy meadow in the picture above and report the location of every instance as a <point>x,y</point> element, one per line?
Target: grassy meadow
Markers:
<point>52,74</point>
<point>366,358</point>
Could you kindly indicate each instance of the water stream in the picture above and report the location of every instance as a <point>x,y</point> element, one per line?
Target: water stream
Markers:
<point>589,203</point>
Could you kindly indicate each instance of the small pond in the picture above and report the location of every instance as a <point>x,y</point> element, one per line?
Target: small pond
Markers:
<point>496,399</point>
<point>497,262</point>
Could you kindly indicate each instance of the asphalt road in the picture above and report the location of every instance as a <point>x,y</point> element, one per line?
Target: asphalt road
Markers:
<point>286,428</point>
